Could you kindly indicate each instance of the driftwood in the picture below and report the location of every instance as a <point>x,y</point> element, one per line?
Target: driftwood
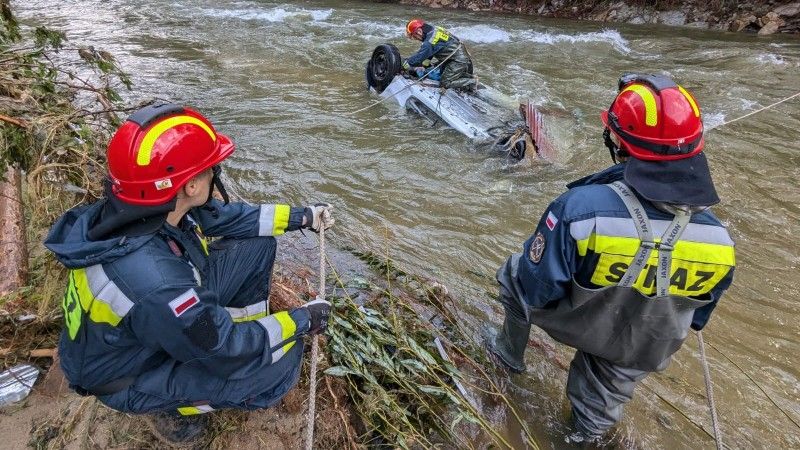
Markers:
<point>14,260</point>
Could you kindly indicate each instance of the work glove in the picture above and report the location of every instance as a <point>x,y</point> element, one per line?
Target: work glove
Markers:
<point>318,311</point>
<point>406,65</point>
<point>319,215</point>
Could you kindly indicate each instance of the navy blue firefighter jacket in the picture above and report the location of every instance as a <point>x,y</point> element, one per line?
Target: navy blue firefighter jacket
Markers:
<point>134,305</point>
<point>588,234</point>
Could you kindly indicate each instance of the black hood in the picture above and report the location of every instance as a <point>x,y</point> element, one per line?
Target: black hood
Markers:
<point>118,218</point>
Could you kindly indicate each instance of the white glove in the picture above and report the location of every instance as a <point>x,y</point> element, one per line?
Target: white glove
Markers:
<point>320,215</point>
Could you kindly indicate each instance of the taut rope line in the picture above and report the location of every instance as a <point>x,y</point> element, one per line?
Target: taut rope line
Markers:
<point>312,384</point>
<point>709,391</point>
<point>756,111</point>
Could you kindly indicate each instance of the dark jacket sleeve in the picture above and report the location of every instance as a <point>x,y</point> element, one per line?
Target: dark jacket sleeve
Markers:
<point>425,52</point>
<point>240,220</point>
<point>546,273</point>
<point>186,323</point>
<point>702,315</point>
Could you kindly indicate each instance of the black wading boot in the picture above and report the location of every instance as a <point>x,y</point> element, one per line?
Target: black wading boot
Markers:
<point>178,431</point>
<point>510,344</point>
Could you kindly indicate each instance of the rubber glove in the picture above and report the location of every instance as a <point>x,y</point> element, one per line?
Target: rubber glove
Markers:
<point>318,215</point>
<point>319,311</point>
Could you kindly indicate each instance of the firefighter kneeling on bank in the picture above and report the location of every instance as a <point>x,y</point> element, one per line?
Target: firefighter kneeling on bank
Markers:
<point>627,260</point>
<point>159,321</point>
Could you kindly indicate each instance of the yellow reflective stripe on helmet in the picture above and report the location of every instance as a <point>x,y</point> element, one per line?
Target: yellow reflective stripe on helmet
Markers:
<point>651,112</point>
<point>691,101</point>
<point>146,147</point>
<point>288,328</point>
<point>281,220</point>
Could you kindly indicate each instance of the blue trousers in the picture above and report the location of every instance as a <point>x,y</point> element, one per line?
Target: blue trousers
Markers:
<point>239,271</point>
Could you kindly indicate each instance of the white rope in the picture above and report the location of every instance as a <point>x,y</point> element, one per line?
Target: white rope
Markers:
<point>410,85</point>
<point>756,111</point>
<point>312,384</point>
<point>709,391</point>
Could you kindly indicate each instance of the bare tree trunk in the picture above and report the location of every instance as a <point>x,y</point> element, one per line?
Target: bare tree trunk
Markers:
<point>13,248</point>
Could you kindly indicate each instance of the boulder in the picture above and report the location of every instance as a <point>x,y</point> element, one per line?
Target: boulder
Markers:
<point>790,10</point>
<point>740,23</point>
<point>770,23</point>
<point>673,18</point>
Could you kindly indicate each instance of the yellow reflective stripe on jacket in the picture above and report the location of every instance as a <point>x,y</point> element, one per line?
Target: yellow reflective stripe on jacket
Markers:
<point>687,278</point>
<point>203,239</point>
<point>98,296</point>
<point>193,410</point>
<point>686,250</point>
<point>440,35</point>
<point>288,326</point>
<point>249,312</point>
<point>273,219</point>
<point>279,326</point>
<point>701,258</point>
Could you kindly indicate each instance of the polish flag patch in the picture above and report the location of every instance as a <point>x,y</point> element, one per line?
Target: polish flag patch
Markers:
<point>551,221</point>
<point>185,301</point>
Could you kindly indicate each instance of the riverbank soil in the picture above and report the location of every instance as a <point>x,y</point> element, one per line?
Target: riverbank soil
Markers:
<point>762,17</point>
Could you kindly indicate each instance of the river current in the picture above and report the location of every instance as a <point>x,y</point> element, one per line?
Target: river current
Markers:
<point>282,79</point>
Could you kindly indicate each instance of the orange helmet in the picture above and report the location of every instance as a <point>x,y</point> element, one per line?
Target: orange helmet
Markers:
<point>413,25</point>
<point>158,149</point>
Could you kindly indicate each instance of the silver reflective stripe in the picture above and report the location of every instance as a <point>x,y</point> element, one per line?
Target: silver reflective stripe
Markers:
<point>266,220</point>
<point>624,227</point>
<point>204,408</point>
<point>106,291</point>
<point>668,241</point>
<point>275,333</point>
<point>582,229</point>
<point>642,223</point>
<point>248,312</point>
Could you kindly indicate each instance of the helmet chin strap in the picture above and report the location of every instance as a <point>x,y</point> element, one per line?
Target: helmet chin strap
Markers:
<point>612,147</point>
<point>216,182</point>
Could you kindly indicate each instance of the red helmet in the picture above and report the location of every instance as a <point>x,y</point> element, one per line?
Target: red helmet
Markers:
<point>414,25</point>
<point>655,119</point>
<point>158,149</point>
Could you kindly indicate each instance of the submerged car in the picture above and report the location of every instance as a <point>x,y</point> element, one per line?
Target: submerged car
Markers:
<point>484,114</point>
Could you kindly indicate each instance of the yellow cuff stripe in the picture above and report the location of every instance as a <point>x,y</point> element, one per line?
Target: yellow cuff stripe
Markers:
<point>146,147</point>
<point>281,220</point>
<point>288,328</point>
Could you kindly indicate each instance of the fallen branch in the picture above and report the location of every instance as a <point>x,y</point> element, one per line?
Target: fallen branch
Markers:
<point>18,122</point>
<point>43,353</point>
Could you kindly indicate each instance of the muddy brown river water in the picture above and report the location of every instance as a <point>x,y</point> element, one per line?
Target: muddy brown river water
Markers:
<point>281,78</point>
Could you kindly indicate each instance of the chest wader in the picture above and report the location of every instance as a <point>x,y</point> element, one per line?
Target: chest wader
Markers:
<point>457,70</point>
<point>619,323</point>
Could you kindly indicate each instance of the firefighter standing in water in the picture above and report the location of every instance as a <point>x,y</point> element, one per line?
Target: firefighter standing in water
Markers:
<point>158,321</point>
<point>627,260</point>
